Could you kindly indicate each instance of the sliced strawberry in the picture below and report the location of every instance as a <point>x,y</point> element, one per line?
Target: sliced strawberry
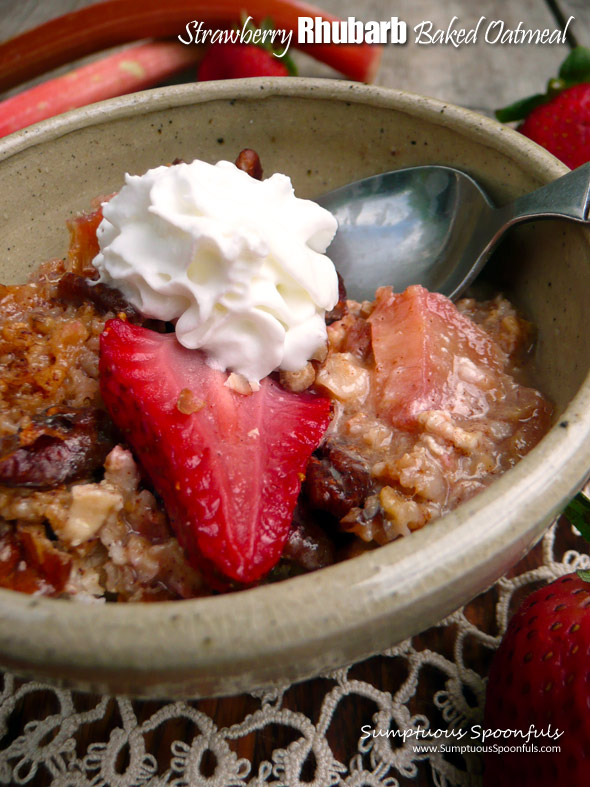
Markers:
<point>428,356</point>
<point>228,466</point>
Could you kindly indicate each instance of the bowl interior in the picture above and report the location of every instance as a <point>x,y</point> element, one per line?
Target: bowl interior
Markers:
<point>321,142</point>
<point>323,134</point>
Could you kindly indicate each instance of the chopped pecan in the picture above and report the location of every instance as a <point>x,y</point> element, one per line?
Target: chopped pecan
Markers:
<point>308,545</point>
<point>341,308</point>
<point>249,161</point>
<point>59,445</point>
<point>79,289</point>
<point>336,481</point>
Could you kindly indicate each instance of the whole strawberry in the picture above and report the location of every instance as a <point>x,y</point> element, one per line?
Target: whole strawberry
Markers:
<point>540,680</point>
<point>559,119</point>
<point>563,125</point>
<point>233,61</point>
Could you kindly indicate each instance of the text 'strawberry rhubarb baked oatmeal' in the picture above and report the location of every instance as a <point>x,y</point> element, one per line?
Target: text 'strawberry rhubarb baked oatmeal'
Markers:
<point>190,405</point>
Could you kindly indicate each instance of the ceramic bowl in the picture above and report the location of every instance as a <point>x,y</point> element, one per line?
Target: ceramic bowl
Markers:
<point>323,134</point>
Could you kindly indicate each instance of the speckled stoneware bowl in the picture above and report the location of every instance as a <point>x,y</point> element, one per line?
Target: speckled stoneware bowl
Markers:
<point>323,134</point>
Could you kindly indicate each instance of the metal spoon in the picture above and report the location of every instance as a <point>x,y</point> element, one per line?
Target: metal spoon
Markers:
<point>434,226</point>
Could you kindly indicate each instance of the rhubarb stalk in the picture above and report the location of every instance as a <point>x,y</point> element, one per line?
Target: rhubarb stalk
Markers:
<point>134,68</point>
<point>112,22</point>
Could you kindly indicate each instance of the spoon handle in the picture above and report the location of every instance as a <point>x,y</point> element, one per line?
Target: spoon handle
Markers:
<point>567,197</point>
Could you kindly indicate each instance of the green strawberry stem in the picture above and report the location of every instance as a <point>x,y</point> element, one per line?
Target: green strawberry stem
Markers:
<point>578,514</point>
<point>574,70</point>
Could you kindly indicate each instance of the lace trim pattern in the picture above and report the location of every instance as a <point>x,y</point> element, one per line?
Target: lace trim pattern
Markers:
<point>55,745</point>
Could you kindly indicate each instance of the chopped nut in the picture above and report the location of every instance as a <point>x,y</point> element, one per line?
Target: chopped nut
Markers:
<point>406,515</point>
<point>239,384</point>
<point>92,504</point>
<point>188,403</point>
<point>344,378</point>
<point>300,380</point>
<point>366,308</point>
<point>321,353</point>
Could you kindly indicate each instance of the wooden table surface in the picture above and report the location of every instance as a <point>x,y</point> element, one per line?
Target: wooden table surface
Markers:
<point>482,77</point>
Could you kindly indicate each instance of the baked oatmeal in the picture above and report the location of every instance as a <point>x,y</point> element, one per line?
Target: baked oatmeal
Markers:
<point>427,409</point>
<point>428,406</point>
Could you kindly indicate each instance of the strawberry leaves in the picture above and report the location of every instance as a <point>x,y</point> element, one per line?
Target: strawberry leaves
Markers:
<point>578,514</point>
<point>574,70</point>
<point>576,67</point>
<point>521,108</point>
<point>559,119</point>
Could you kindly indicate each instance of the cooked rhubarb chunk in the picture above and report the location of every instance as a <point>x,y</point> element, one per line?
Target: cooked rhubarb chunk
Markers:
<point>30,563</point>
<point>428,356</point>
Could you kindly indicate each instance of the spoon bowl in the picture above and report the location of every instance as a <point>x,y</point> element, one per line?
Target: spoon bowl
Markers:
<point>433,226</point>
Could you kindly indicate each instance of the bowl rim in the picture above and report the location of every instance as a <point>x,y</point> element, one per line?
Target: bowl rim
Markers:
<point>303,620</point>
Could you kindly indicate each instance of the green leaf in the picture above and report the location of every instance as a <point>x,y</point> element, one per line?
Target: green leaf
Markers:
<point>584,574</point>
<point>578,513</point>
<point>576,67</point>
<point>289,64</point>
<point>267,23</point>
<point>520,109</point>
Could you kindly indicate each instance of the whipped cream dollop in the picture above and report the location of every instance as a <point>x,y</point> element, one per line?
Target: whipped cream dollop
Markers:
<point>238,264</point>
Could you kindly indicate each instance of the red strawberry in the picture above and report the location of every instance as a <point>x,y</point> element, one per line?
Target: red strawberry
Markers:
<point>540,676</point>
<point>232,61</point>
<point>562,126</point>
<point>559,119</point>
<point>228,466</point>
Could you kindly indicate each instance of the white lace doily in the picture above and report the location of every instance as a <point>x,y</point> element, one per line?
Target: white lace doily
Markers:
<point>55,737</point>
